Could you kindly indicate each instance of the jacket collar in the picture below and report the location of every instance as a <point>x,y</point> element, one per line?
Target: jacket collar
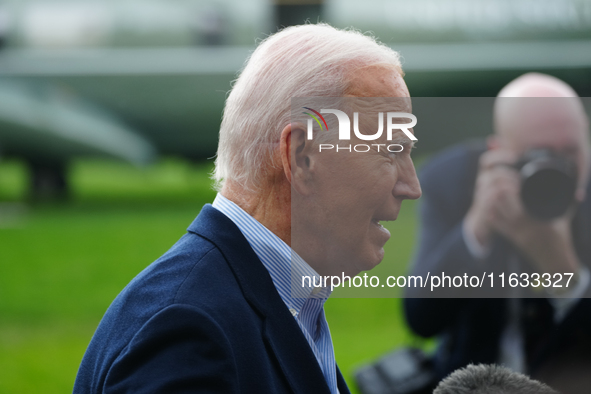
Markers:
<point>280,328</point>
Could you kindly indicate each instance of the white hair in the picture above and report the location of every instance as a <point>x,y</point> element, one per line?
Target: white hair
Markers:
<point>299,61</point>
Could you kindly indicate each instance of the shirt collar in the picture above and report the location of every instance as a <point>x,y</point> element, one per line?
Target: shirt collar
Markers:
<point>285,266</point>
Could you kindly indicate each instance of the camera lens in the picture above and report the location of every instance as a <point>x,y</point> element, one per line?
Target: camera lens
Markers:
<point>547,193</point>
<point>548,185</point>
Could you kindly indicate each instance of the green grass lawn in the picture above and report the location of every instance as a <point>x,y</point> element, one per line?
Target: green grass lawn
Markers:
<point>61,265</point>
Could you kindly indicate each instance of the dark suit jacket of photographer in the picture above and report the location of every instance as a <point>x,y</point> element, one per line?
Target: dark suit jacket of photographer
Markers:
<point>471,329</point>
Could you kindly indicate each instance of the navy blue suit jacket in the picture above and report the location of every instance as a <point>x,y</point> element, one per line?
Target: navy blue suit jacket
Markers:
<point>205,317</point>
<point>471,329</point>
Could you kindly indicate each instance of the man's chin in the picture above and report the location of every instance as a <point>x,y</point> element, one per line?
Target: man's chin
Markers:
<point>379,257</point>
<point>376,258</point>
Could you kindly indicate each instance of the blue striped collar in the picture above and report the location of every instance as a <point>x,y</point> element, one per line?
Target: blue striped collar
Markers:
<point>286,269</point>
<point>285,266</point>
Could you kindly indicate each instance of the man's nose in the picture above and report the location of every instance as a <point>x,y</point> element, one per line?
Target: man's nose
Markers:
<point>408,186</point>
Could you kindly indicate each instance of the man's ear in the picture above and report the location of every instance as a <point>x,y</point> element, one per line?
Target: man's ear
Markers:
<point>295,156</point>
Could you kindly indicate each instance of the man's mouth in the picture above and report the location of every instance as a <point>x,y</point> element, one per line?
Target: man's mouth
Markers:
<point>380,226</point>
<point>377,223</point>
<point>383,232</point>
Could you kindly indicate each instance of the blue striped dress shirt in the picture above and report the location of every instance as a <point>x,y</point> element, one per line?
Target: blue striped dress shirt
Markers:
<point>305,303</point>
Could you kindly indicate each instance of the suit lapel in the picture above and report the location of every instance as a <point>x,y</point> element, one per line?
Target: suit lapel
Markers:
<point>341,384</point>
<point>281,331</point>
<point>298,363</point>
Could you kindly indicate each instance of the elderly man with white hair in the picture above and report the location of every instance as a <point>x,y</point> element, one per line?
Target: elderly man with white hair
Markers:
<point>216,312</point>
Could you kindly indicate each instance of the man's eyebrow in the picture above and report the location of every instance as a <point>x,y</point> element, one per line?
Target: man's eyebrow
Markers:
<point>404,141</point>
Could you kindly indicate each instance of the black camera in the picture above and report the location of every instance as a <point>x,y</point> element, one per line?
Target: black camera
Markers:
<point>548,183</point>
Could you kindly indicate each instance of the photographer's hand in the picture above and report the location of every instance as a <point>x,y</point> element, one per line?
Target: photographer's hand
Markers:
<point>497,208</point>
<point>495,176</point>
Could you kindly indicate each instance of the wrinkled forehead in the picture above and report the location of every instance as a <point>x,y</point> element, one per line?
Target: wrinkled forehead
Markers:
<point>378,80</point>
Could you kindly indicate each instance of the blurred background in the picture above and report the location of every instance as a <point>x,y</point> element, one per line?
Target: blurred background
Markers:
<point>109,113</point>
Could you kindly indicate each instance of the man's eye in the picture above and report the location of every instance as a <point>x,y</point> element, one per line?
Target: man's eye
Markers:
<point>397,149</point>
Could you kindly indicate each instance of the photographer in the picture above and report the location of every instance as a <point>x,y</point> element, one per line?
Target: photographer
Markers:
<point>520,201</point>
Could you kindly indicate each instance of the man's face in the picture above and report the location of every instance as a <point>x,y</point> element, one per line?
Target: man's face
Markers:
<point>354,191</point>
<point>547,123</point>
